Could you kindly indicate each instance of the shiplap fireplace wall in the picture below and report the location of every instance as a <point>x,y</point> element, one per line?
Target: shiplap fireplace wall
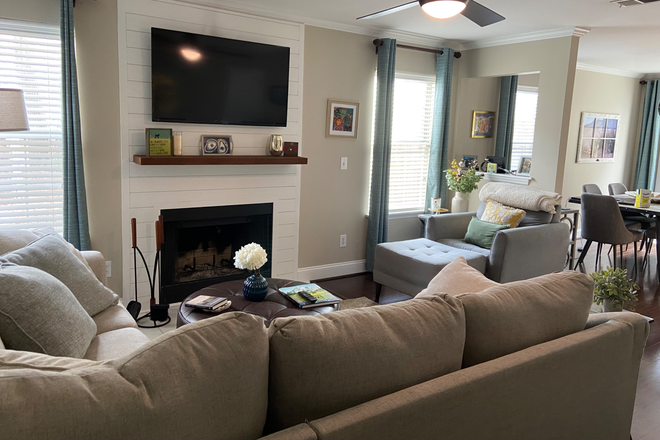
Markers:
<point>148,189</point>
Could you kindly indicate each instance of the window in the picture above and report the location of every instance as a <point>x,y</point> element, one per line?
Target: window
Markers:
<point>31,161</point>
<point>411,142</point>
<point>523,125</point>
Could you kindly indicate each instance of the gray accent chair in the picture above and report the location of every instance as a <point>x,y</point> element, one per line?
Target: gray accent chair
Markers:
<point>602,222</point>
<point>616,189</point>
<point>591,188</point>
<point>537,247</point>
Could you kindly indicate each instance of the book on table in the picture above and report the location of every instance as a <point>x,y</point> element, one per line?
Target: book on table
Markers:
<point>209,303</point>
<point>309,295</point>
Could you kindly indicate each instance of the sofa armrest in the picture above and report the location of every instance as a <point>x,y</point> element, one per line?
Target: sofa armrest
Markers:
<point>528,252</point>
<point>96,262</point>
<point>448,225</point>
<point>297,432</point>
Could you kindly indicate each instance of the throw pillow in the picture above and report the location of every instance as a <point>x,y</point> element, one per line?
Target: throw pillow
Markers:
<point>504,318</point>
<point>42,232</point>
<point>482,233</point>
<point>52,255</point>
<point>456,278</point>
<point>502,215</point>
<point>39,314</point>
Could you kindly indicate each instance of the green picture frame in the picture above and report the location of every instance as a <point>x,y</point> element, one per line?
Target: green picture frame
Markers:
<point>158,142</point>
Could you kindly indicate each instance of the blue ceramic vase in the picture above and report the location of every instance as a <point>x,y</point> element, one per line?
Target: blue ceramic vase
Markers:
<point>255,287</point>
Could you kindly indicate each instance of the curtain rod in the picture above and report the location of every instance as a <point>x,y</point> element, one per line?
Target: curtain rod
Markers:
<point>379,43</point>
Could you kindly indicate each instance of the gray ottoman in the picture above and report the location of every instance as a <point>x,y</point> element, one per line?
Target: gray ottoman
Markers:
<point>408,266</point>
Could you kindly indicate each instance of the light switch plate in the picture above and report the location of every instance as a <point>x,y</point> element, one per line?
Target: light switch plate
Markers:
<point>108,269</point>
<point>344,163</point>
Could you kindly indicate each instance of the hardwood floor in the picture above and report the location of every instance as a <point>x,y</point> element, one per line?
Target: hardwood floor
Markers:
<point>646,419</point>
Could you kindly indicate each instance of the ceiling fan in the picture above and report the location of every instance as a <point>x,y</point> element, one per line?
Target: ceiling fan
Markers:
<point>476,12</point>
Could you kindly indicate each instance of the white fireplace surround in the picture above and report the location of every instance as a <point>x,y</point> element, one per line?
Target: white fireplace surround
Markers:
<point>146,190</point>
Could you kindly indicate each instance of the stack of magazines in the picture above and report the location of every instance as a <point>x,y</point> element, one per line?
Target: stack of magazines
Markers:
<point>309,295</point>
<point>208,303</point>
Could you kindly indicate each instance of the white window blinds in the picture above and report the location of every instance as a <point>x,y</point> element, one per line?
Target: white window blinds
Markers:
<point>411,142</point>
<point>31,161</point>
<point>523,125</point>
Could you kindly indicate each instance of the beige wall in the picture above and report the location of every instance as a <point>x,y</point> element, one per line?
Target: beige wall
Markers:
<point>602,93</point>
<point>98,75</point>
<point>556,61</point>
<point>40,11</point>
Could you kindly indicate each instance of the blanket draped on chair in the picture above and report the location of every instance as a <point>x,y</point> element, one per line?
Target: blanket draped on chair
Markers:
<point>519,196</point>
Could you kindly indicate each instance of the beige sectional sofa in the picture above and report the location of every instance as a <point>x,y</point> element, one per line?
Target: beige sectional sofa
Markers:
<point>467,359</point>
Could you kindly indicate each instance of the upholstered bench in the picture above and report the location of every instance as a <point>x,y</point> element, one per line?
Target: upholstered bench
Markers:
<point>404,265</point>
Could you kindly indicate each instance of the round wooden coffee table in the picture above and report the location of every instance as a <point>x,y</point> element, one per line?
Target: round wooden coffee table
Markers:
<point>275,305</point>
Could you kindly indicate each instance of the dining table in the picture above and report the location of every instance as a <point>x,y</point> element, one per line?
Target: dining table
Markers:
<point>627,204</point>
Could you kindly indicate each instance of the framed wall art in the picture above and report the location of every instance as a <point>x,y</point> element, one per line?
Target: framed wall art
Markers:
<point>470,161</point>
<point>525,166</point>
<point>216,145</point>
<point>342,119</point>
<point>483,124</point>
<point>158,142</point>
<point>598,137</point>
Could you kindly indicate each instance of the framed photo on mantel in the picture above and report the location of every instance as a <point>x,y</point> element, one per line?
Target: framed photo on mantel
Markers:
<point>159,142</point>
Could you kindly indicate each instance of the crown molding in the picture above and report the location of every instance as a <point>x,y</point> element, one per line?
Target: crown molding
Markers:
<point>609,71</point>
<point>372,31</point>
<point>524,38</point>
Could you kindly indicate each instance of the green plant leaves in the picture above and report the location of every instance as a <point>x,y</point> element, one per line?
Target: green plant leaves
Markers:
<point>614,285</point>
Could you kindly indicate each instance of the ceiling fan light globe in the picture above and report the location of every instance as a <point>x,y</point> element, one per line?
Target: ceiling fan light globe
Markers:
<point>443,8</point>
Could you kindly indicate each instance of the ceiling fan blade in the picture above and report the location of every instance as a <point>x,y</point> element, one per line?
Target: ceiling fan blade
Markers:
<point>390,10</point>
<point>481,14</point>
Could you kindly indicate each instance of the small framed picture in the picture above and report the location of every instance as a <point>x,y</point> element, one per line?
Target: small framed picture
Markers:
<point>483,124</point>
<point>216,144</point>
<point>342,119</point>
<point>470,161</point>
<point>159,142</point>
<point>525,166</point>
<point>492,167</point>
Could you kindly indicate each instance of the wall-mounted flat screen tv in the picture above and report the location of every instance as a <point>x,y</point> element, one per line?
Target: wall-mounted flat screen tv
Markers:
<point>210,80</point>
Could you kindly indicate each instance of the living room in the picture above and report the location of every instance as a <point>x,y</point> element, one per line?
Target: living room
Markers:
<point>316,203</point>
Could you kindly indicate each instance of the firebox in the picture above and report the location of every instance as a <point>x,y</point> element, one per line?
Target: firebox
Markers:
<point>199,245</point>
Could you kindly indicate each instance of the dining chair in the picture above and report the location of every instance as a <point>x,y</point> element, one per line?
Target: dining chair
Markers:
<point>616,189</point>
<point>602,222</point>
<point>591,188</point>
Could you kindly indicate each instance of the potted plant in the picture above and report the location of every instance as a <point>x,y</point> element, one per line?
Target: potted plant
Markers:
<point>463,182</point>
<point>253,257</point>
<point>614,290</point>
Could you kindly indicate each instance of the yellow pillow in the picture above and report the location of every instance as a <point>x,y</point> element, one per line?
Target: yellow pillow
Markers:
<point>502,215</point>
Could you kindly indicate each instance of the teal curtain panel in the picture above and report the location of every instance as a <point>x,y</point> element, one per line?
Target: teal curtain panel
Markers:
<point>505,118</point>
<point>436,185</point>
<point>380,175</point>
<point>76,224</point>
<point>647,154</point>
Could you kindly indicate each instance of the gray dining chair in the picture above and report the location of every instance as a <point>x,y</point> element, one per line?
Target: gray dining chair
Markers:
<point>591,188</point>
<point>616,189</point>
<point>602,222</point>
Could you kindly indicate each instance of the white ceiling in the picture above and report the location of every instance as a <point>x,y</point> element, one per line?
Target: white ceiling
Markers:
<point>622,40</point>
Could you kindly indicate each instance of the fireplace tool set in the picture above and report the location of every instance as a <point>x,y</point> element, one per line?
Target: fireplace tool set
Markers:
<point>158,312</point>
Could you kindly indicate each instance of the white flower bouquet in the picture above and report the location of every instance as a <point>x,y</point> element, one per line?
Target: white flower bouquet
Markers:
<point>250,257</point>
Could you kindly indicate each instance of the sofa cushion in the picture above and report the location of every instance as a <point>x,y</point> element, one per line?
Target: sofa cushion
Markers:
<point>506,318</point>
<point>418,261</point>
<point>323,364</point>
<point>461,244</point>
<point>456,278</point>
<point>115,344</point>
<point>204,381</point>
<point>38,313</point>
<point>53,255</point>
<point>113,318</point>
<point>532,218</point>
<point>502,215</point>
<point>482,233</point>
<point>42,232</point>
<point>12,239</point>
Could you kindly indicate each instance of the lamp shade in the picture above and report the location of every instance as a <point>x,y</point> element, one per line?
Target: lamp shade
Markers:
<point>13,116</point>
<point>443,8</point>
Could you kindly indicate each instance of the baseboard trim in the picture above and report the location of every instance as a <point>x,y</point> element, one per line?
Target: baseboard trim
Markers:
<point>331,270</point>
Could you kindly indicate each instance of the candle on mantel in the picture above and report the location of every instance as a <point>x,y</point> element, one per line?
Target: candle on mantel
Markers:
<point>176,138</point>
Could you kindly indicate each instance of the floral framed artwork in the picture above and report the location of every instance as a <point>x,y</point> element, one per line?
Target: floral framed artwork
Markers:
<point>342,119</point>
<point>598,137</point>
<point>483,124</point>
<point>216,145</point>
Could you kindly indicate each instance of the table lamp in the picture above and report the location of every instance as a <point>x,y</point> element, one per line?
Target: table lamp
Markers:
<point>13,116</point>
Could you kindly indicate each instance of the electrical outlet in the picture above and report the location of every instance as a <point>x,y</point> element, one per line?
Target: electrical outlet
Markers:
<point>344,163</point>
<point>108,269</point>
<point>342,240</point>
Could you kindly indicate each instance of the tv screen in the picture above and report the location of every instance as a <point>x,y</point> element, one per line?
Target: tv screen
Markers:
<point>210,80</point>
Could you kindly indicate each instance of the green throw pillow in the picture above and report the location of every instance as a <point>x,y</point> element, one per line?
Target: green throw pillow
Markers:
<point>482,233</point>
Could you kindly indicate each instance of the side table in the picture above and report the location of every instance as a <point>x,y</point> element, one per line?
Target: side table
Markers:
<point>573,225</point>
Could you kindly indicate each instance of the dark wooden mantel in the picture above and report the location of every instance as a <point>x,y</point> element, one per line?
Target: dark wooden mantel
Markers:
<point>219,160</point>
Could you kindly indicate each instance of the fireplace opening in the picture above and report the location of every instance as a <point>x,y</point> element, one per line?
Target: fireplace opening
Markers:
<point>199,245</point>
